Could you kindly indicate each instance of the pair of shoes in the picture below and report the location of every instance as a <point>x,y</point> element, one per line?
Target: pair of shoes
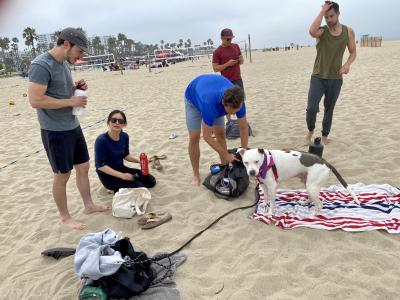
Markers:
<point>154,219</point>
<point>156,164</point>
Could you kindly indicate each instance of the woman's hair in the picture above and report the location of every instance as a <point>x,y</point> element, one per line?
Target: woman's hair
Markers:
<point>233,97</point>
<point>116,111</point>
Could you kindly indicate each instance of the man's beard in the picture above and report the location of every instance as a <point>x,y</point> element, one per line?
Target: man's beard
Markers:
<point>332,24</point>
<point>69,58</point>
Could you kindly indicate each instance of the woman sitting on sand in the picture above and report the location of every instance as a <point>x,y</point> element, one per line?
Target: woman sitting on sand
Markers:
<point>111,149</point>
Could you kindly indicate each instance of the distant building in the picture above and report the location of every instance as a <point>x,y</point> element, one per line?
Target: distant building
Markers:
<point>45,39</point>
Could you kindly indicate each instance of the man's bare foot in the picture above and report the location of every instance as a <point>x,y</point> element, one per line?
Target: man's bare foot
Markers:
<point>96,208</point>
<point>325,140</point>
<point>71,223</point>
<point>196,180</point>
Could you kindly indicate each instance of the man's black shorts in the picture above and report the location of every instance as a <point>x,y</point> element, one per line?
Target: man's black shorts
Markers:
<point>65,149</point>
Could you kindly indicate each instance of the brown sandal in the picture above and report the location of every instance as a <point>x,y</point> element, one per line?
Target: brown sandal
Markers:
<point>156,164</point>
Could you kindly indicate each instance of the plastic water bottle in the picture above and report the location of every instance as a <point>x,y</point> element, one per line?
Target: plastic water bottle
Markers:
<point>316,147</point>
<point>144,164</point>
<point>78,110</point>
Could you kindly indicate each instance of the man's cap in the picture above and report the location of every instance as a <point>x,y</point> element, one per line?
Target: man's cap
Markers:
<point>76,37</point>
<point>227,33</point>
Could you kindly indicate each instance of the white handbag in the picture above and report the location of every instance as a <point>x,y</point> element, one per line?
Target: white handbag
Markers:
<point>126,199</point>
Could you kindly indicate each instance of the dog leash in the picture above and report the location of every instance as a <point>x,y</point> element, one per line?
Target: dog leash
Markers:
<point>157,258</point>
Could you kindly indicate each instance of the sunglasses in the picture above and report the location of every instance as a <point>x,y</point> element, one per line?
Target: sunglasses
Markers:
<point>116,120</point>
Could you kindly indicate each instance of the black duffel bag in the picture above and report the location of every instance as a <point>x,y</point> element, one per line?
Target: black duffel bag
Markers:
<point>231,181</point>
<point>132,278</point>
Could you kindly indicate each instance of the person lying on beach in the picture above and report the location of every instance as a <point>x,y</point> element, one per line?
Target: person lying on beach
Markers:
<point>208,98</point>
<point>50,92</point>
<point>111,149</point>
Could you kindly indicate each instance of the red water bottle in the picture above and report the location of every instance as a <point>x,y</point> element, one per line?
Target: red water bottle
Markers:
<point>144,164</point>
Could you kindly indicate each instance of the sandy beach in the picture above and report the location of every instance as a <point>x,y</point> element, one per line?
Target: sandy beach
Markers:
<point>238,258</point>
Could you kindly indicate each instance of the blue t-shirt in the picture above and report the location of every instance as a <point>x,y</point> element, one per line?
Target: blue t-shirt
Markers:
<point>109,152</point>
<point>205,92</point>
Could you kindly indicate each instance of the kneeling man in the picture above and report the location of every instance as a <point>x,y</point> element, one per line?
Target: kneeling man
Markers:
<point>208,98</point>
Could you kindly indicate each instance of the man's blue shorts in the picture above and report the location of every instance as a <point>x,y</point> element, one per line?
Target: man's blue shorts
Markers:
<point>193,117</point>
<point>65,149</point>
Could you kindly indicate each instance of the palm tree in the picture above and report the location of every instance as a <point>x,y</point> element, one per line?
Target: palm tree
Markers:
<point>112,44</point>
<point>189,43</point>
<point>14,46</point>
<point>30,36</point>
<point>56,34</point>
<point>121,41</point>
<point>96,42</point>
<point>162,44</point>
<point>130,46</point>
<point>180,43</point>
<point>4,45</point>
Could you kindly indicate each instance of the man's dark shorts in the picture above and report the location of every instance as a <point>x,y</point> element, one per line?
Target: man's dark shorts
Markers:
<point>65,149</point>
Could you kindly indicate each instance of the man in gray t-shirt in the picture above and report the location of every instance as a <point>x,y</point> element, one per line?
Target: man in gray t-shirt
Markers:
<point>51,91</point>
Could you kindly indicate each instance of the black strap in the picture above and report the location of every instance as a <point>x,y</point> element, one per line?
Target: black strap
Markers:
<point>201,231</point>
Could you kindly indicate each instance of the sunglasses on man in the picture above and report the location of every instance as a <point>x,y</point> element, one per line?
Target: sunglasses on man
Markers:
<point>116,120</point>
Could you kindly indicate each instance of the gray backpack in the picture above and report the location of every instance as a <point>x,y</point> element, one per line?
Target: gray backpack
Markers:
<point>232,130</point>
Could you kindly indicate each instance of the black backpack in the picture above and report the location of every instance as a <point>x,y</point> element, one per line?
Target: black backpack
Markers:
<point>231,181</point>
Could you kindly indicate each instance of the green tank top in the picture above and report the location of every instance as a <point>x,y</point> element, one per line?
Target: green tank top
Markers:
<point>330,50</point>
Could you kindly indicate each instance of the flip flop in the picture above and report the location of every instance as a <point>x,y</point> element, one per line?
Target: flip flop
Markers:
<point>156,164</point>
<point>160,157</point>
<point>159,218</point>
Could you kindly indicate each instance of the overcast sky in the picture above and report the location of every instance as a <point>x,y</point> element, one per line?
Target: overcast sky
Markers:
<point>270,23</point>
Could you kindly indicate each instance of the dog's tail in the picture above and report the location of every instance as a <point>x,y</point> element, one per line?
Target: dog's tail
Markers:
<point>343,182</point>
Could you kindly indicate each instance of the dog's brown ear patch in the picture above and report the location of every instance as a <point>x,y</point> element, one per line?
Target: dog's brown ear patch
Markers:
<point>261,150</point>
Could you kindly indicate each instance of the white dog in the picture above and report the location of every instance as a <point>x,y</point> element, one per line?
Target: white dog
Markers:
<point>272,167</point>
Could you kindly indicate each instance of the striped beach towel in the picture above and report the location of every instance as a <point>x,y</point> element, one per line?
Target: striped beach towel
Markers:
<point>380,209</point>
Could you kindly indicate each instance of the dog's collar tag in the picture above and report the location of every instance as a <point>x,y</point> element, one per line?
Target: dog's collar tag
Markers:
<point>267,164</point>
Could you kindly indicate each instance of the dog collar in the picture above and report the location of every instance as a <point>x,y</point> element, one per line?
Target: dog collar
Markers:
<point>267,164</point>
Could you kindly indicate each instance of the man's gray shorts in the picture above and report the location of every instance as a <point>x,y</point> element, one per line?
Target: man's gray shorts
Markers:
<point>193,117</point>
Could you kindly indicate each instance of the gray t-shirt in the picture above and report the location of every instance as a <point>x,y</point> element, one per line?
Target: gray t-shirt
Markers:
<point>45,69</point>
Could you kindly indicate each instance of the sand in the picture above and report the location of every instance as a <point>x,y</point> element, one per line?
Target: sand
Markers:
<point>245,258</point>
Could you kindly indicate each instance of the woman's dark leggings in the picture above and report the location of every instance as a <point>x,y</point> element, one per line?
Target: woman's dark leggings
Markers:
<point>115,183</point>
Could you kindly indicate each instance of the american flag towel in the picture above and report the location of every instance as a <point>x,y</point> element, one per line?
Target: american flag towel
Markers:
<point>380,209</point>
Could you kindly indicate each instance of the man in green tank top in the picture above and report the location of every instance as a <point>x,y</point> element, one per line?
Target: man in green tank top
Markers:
<point>326,79</point>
